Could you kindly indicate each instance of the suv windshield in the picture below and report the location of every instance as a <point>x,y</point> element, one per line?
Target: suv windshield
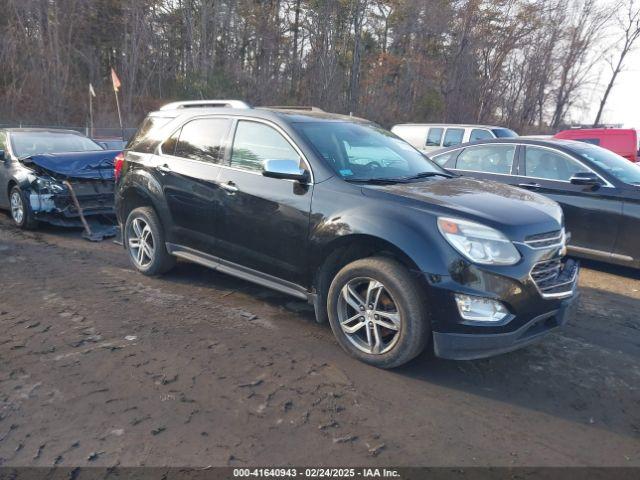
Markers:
<point>612,163</point>
<point>26,144</point>
<point>360,152</point>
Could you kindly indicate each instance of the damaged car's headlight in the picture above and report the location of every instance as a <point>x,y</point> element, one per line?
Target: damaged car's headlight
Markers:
<point>49,186</point>
<point>478,243</point>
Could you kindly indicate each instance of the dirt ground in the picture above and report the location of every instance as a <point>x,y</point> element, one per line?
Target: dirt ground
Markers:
<point>102,366</point>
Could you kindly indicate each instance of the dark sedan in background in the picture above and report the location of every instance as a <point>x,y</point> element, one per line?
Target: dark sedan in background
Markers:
<point>54,176</point>
<point>599,191</point>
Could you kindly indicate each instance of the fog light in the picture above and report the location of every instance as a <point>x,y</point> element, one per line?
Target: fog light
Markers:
<point>480,309</point>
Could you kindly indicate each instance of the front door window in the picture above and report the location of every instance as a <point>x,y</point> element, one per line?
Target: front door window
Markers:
<point>495,158</point>
<point>255,142</point>
<point>546,164</point>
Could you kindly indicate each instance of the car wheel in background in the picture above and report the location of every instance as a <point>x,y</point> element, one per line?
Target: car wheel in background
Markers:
<point>144,241</point>
<point>20,211</point>
<point>377,312</point>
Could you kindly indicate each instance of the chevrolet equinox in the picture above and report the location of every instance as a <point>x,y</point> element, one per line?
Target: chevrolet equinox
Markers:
<point>393,251</point>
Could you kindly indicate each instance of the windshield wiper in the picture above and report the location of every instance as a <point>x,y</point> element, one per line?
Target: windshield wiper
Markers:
<point>376,181</point>
<point>391,180</point>
<point>428,174</point>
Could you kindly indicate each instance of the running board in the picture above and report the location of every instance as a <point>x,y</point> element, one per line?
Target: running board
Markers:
<point>239,271</point>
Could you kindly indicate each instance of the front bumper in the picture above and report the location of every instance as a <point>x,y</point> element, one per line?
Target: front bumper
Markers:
<point>461,346</point>
<point>94,196</point>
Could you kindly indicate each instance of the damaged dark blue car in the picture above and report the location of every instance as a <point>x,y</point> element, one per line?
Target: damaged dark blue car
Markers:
<point>56,176</point>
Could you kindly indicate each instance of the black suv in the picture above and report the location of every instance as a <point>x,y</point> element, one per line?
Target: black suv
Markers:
<point>390,248</point>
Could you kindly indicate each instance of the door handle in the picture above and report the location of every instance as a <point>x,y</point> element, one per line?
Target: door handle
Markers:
<point>229,187</point>
<point>530,185</point>
<point>163,168</point>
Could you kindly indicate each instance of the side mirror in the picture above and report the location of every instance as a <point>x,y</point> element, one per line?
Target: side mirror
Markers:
<point>286,169</point>
<point>585,178</point>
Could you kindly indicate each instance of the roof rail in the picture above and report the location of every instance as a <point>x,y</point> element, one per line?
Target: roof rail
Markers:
<point>598,126</point>
<point>205,104</point>
<point>295,107</point>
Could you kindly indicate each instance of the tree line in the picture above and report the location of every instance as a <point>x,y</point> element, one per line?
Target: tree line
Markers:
<point>519,63</point>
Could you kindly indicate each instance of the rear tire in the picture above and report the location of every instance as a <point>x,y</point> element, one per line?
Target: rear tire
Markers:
<point>145,242</point>
<point>21,212</point>
<point>377,312</point>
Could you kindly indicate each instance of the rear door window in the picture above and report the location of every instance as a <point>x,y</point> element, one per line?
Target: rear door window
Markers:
<point>550,165</point>
<point>434,137</point>
<point>497,159</point>
<point>480,134</point>
<point>203,139</point>
<point>453,137</point>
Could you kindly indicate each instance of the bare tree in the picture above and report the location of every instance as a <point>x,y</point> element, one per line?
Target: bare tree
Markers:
<point>630,23</point>
<point>587,20</point>
<point>521,63</point>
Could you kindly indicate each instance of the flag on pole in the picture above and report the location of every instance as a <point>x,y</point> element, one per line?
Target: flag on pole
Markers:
<point>92,92</point>
<point>115,80</point>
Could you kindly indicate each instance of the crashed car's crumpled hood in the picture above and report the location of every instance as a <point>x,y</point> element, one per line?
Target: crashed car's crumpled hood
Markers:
<point>96,165</point>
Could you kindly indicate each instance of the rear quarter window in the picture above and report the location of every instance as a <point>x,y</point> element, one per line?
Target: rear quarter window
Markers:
<point>443,158</point>
<point>146,139</point>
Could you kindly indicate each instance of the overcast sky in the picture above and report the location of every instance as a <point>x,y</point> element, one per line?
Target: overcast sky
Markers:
<point>623,105</point>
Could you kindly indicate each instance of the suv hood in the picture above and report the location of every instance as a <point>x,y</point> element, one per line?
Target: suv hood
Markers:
<point>515,211</point>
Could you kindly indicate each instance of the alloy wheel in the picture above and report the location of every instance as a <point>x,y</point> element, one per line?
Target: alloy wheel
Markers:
<point>141,243</point>
<point>369,316</point>
<point>17,207</point>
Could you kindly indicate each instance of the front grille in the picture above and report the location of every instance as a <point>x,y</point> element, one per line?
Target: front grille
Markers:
<point>545,240</point>
<point>555,278</point>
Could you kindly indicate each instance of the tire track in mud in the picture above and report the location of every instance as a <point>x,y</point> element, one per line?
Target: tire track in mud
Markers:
<point>262,390</point>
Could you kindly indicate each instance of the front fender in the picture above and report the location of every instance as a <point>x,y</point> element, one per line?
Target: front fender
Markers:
<point>414,233</point>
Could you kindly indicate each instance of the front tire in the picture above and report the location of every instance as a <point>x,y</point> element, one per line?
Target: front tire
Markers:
<point>145,242</point>
<point>20,210</point>
<point>378,313</point>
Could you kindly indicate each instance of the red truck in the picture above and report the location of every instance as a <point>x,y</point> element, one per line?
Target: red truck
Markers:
<point>623,141</point>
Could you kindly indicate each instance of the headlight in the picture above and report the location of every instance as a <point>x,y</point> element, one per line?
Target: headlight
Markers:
<point>478,243</point>
<point>49,186</point>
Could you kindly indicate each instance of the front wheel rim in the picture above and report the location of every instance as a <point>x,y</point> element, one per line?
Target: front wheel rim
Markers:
<point>369,316</point>
<point>17,207</point>
<point>141,243</point>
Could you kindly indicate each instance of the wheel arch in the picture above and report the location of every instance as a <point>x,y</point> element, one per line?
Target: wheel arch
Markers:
<point>140,189</point>
<point>361,245</point>
<point>133,198</point>
<point>343,250</point>
<point>12,183</point>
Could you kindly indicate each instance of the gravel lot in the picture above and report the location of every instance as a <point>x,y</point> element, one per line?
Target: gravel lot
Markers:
<point>102,366</point>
